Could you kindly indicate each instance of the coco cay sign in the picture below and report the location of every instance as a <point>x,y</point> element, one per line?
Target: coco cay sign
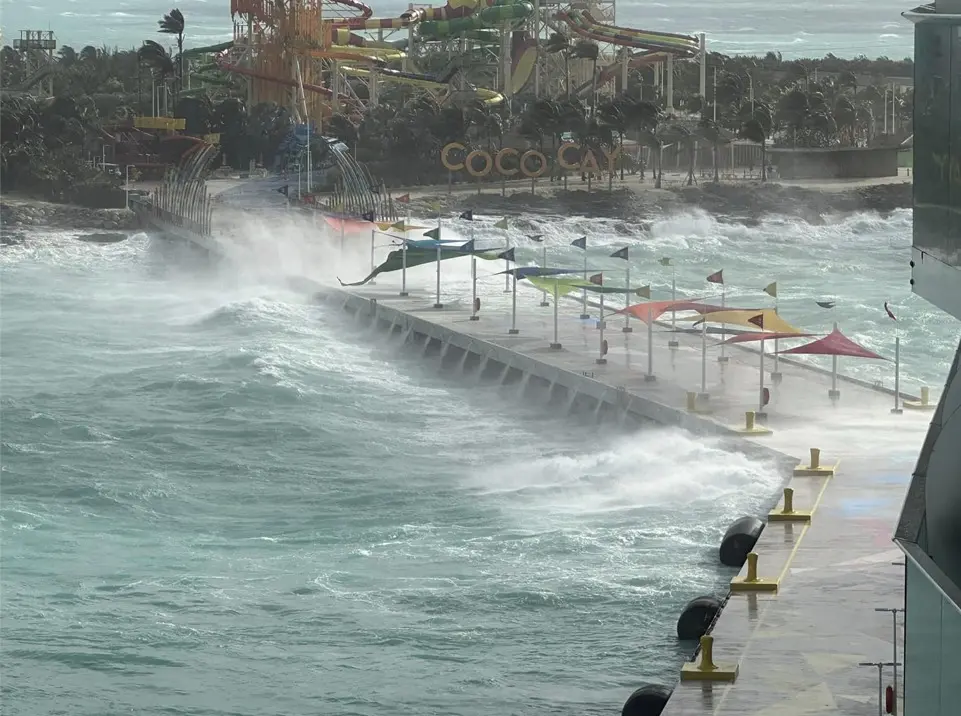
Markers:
<point>532,163</point>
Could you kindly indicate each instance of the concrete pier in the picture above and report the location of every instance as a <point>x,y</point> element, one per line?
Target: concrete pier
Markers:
<point>793,633</point>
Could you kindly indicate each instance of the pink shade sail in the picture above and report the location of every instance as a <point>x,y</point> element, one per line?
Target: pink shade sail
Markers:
<point>765,336</point>
<point>834,344</point>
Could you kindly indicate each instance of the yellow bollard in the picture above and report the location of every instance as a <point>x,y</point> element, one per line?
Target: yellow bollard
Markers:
<point>788,513</point>
<point>705,669</point>
<point>814,468</point>
<point>923,404</point>
<point>751,582</point>
<point>751,427</point>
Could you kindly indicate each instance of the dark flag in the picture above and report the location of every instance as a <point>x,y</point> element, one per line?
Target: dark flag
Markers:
<point>597,279</point>
<point>467,215</point>
<point>620,254</point>
<point>468,248</point>
<point>758,320</point>
<point>716,277</point>
<point>284,189</point>
<point>888,311</point>
<point>580,243</point>
<point>507,255</point>
<point>825,304</point>
<point>433,234</point>
<point>368,216</point>
<point>404,199</point>
<point>539,238</point>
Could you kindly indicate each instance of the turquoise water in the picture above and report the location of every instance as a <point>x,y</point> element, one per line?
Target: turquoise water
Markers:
<point>848,28</point>
<point>220,499</point>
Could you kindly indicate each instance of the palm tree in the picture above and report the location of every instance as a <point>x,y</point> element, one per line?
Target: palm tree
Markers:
<point>558,42</point>
<point>613,114</point>
<point>709,130</point>
<point>173,24</point>
<point>753,131</point>
<point>156,58</point>
<point>643,117</point>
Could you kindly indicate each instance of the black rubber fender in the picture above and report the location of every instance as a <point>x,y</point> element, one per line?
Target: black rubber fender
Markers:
<point>739,540</point>
<point>697,617</point>
<point>649,700</point>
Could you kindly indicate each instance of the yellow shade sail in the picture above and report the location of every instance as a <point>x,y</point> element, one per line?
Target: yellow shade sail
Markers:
<point>771,321</point>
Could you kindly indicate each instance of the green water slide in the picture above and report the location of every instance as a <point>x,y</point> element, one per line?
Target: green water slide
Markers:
<point>195,51</point>
<point>490,17</point>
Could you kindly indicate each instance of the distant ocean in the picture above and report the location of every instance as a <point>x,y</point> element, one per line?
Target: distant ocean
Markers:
<point>845,28</point>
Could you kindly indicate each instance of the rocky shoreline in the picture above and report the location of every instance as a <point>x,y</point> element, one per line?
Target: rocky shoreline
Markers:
<point>21,213</point>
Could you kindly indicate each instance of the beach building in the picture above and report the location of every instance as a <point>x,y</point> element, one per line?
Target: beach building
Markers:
<point>929,530</point>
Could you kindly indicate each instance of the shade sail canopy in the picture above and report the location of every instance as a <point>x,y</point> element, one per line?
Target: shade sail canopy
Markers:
<point>396,260</point>
<point>522,272</point>
<point>748,319</point>
<point>652,310</point>
<point>346,224</point>
<point>569,285</point>
<point>834,344</point>
<point>765,336</point>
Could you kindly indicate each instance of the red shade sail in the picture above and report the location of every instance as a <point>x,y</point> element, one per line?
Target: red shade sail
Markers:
<point>834,344</point>
<point>346,224</point>
<point>765,336</point>
<point>652,310</point>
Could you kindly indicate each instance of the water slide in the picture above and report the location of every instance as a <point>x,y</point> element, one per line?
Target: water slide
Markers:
<point>584,24</point>
<point>424,82</point>
<point>495,15</point>
<point>609,72</point>
<point>208,49</point>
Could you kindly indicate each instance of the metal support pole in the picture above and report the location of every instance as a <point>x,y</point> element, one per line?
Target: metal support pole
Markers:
<point>403,268</point>
<point>760,396</point>
<point>894,643</point>
<point>513,329</point>
<point>584,314</point>
<point>602,358</point>
<point>897,376</point>
<point>473,289</point>
<point>776,373</point>
<point>556,345</point>
<point>437,303</point>
<point>673,342</point>
<point>373,235</point>
<point>627,301</point>
<point>544,265</point>
<point>650,377</point>
<point>880,667</point>
<point>704,357</point>
<point>723,358</point>
<point>507,264</point>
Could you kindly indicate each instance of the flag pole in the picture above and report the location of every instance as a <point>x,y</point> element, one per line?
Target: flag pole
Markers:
<point>672,343</point>
<point>437,303</point>
<point>723,358</point>
<point>556,345</point>
<point>627,300</point>
<point>507,264</point>
<point>760,396</point>
<point>473,279</point>
<point>776,373</point>
<point>584,314</point>
<point>650,377</point>
<point>896,410</point>
<point>513,329</point>
<point>602,358</point>
<point>373,235</point>
<point>403,257</point>
<point>704,358</point>
<point>544,265</point>
<point>834,393</point>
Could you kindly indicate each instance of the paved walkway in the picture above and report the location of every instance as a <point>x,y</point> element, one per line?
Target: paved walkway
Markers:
<point>798,650</point>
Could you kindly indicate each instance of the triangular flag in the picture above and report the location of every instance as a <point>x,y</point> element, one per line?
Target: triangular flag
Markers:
<point>771,289</point>
<point>757,320</point>
<point>597,279</point>
<point>643,291</point>
<point>665,261</point>
<point>507,255</point>
<point>368,216</point>
<point>284,189</point>
<point>620,254</point>
<point>468,248</point>
<point>888,311</point>
<point>467,215</point>
<point>384,225</point>
<point>433,234</point>
<point>502,224</point>
<point>825,304</point>
<point>580,243</point>
<point>536,237</point>
<point>404,199</point>
<point>399,225</point>
<point>716,277</point>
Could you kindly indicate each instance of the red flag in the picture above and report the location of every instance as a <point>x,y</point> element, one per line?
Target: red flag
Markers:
<point>404,199</point>
<point>717,277</point>
<point>597,279</point>
<point>758,320</point>
<point>888,311</point>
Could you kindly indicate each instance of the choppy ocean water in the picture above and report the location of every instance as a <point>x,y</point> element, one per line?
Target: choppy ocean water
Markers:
<point>219,498</point>
<point>851,27</point>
